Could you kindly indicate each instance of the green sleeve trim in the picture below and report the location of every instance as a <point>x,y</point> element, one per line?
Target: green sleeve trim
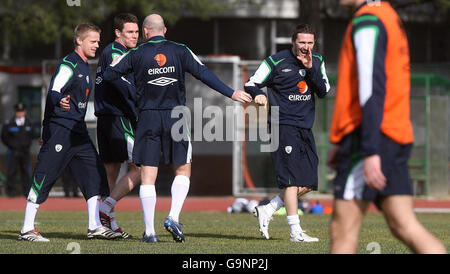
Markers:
<point>275,63</point>
<point>362,18</point>
<point>114,54</point>
<point>119,50</point>
<point>67,61</point>
<point>157,41</point>
<point>319,57</point>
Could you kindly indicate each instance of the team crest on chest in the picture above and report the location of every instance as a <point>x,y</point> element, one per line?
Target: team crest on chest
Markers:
<point>288,149</point>
<point>302,72</point>
<point>58,148</point>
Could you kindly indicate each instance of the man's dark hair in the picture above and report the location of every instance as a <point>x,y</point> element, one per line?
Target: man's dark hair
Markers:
<point>303,28</point>
<point>122,18</point>
<point>82,29</point>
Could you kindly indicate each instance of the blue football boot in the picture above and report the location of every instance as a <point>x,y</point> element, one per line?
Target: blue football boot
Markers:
<point>175,229</point>
<point>149,239</point>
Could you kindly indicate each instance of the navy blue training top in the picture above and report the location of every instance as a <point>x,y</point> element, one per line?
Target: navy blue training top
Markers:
<point>291,86</point>
<point>158,68</point>
<point>72,77</point>
<point>116,97</point>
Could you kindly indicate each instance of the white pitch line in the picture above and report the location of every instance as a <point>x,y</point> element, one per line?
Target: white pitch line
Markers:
<point>432,210</point>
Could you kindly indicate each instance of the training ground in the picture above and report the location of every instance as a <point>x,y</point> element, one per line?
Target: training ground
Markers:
<point>209,229</point>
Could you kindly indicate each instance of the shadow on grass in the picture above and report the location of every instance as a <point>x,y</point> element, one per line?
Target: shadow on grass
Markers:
<point>222,236</point>
<point>13,234</point>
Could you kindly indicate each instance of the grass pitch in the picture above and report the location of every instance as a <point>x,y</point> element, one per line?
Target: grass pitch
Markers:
<point>206,233</point>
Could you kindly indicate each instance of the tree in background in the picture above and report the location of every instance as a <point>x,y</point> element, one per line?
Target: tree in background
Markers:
<point>26,22</point>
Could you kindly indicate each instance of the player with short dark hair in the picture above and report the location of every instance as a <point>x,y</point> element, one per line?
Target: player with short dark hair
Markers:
<point>293,77</point>
<point>66,140</point>
<point>116,123</point>
<point>372,131</point>
<point>159,67</point>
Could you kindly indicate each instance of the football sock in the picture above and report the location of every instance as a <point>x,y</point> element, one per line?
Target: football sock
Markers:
<point>275,204</point>
<point>30,215</point>
<point>114,224</point>
<point>107,205</point>
<point>93,204</point>
<point>294,223</point>
<point>180,189</point>
<point>147,193</point>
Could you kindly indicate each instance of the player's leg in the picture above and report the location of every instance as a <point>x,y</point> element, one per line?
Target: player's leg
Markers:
<point>112,172</point>
<point>179,189</point>
<point>179,153</point>
<point>116,141</point>
<point>291,203</point>
<point>52,159</point>
<point>126,183</point>
<point>345,224</point>
<point>89,173</point>
<point>147,194</point>
<point>302,191</point>
<point>399,213</point>
<point>146,154</point>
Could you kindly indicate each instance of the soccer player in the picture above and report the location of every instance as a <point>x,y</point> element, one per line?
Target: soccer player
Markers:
<point>116,124</point>
<point>159,67</point>
<point>66,140</point>
<point>293,78</point>
<point>372,131</point>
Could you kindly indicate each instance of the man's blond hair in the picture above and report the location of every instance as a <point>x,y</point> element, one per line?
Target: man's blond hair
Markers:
<point>81,31</point>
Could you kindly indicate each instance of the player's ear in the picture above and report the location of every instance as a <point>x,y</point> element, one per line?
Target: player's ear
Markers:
<point>165,30</point>
<point>117,32</point>
<point>78,41</point>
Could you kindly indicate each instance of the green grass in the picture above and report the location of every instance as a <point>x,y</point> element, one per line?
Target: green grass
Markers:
<point>206,232</point>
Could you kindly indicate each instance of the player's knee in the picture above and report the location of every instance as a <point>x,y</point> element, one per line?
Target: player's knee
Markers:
<point>403,229</point>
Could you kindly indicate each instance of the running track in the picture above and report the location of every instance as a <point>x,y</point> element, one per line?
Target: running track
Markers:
<point>163,204</point>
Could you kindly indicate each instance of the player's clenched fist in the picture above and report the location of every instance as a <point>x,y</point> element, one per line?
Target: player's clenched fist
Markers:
<point>65,103</point>
<point>261,100</point>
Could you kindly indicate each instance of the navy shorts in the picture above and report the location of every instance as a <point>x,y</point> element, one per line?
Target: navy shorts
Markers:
<point>115,138</point>
<point>64,147</point>
<point>295,162</point>
<point>349,182</point>
<point>153,138</point>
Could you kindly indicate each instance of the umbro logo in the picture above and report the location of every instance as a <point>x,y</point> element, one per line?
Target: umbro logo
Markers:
<point>286,70</point>
<point>162,81</point>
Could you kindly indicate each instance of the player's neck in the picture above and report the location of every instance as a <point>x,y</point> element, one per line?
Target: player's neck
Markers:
<point>81,54</point>
<point>120,42</point>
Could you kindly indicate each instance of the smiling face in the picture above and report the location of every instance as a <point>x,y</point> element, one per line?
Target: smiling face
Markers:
<point>303,44</point>
<point>89,43</point>
<point>129,35</point>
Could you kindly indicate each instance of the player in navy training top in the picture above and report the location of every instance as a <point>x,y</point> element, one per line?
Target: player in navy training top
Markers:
<point>158,67</point>
<point>66,140</point>
<point>116,123</point>
<point>292,77</point>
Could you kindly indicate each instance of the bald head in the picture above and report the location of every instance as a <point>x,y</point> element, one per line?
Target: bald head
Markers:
<point>153,26</point>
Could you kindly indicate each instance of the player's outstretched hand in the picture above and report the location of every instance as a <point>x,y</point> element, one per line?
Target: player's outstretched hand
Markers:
<point>261,100</point>
<point>65,103</point>
<point>373,175</point>
<point>241,96</point>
